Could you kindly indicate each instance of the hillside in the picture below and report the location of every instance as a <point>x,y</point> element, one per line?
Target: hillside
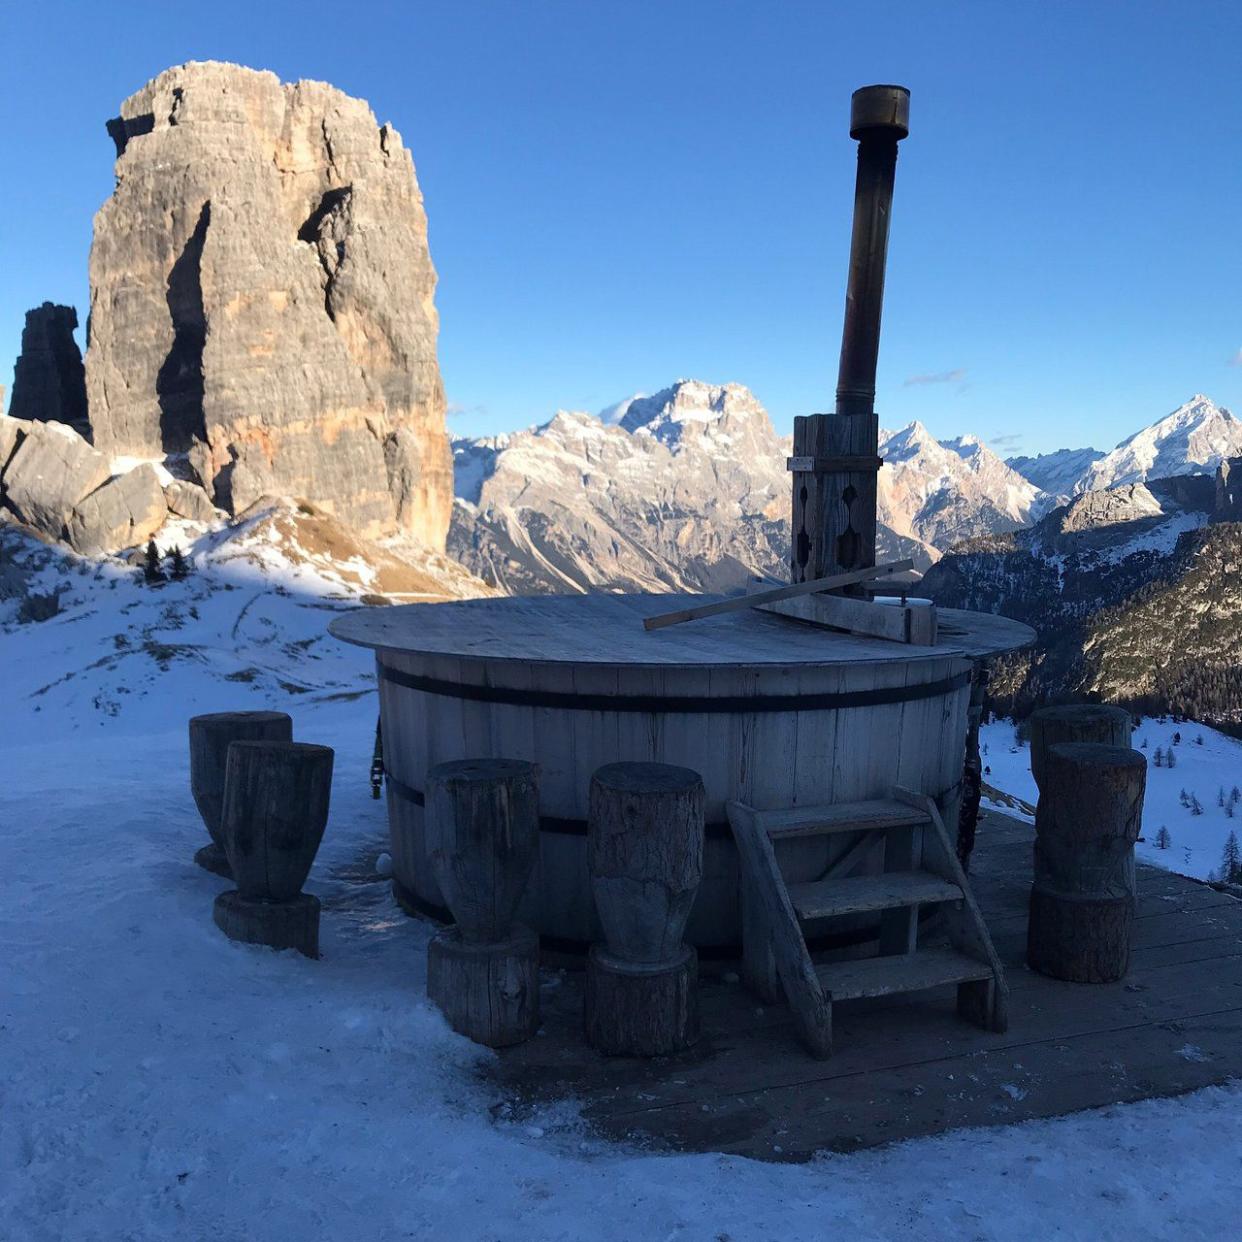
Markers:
<point>1136,595</point>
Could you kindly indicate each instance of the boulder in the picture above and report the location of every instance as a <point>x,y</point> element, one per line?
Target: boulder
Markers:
<point>11,432</point>
<point>125,511</point>
<point>48,380</point>
<point>51,471</point>
<point>188,500</point>
<point>262,300</point>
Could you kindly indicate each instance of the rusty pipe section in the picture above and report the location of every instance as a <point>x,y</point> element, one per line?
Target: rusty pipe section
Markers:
<point>879,120</point>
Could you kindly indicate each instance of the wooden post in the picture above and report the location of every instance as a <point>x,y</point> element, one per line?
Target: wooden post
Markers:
<point>1076,722</point>
<point>1082,900</point>
<point>483,839</point>
<point>210,738</point>
<point>645,852</point>
<point>276,797</point>
<point>972,770</point>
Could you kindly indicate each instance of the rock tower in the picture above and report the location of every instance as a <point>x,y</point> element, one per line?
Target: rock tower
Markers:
<point>262,300</point>
<point>48,383</point>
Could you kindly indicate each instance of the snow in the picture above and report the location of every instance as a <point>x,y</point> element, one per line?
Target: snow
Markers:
<point>1203,771</point>
<point>158,1081</point>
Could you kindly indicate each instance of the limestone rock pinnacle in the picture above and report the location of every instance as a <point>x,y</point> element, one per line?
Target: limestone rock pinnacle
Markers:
<point>262,300</point>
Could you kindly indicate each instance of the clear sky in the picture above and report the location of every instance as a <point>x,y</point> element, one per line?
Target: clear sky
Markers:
<point>621,194</point>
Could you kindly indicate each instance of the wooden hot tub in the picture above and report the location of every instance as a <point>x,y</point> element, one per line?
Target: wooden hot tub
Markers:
<point>769,711</point>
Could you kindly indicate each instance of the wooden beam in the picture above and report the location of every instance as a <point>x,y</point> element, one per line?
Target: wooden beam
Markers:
<point>756,598</point>
<point>909,623</point>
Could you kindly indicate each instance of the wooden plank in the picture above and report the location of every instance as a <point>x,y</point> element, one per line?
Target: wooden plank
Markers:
<point>839,817</point>
<point>913,972</point>
<point>797,973</point>
<point>857,894</point>
<point>909,623</point>
<point>756,598</point>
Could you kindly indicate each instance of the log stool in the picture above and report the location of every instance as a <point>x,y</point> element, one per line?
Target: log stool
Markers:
<point>1076,722</point>
<point>210,738</point>
<point>1082,901</point>
<point>645,851</point>
<point>275,810</point>
<point>482,840</point>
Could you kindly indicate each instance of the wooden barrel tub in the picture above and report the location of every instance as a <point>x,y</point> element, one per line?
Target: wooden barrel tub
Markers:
<point>769,711</point>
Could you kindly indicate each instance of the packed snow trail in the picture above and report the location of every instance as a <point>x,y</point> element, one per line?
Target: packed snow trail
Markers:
<point>159,1081</point>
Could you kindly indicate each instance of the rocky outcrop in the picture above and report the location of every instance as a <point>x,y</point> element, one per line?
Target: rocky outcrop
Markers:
<point>262,300</point>
<point>188,500</point>
<point>49,383</point>
<point>1228,505</point>
<point>125,511</point>
<point>51,469</point>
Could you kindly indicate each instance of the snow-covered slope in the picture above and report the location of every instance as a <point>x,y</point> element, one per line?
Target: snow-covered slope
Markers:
<point>1191,440</point>
<point>1059,473</point>
<point>687,490</point>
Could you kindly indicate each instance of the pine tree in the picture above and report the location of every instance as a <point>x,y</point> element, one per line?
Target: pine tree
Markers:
<point>1170,759</point>
<point>1231,860</point>
<point>1199,740</point>
<point>1196,807</point>
<point>179,568</point>
<point>1235,794</point>
<point>1163,839</point>
<point>151,570</point>
<point>1177,739</point>
<point>1159,757</point>
<point>1220,796</point>
<point>1143,744</point>
<point>1184,798</point>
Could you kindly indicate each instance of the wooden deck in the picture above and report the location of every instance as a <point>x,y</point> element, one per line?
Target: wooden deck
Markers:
<point>909,1067</point>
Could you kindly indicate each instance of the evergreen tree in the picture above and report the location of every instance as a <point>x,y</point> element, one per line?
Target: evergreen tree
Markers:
<point>1184,798</point>
<point>1170,759</point>
<point>1143,744</point>
<point>151,570</point>
<point>1199,740</point>
<point>1196,807</point>
<point>1177,739</point>
<point>1159,757</point>
<point>1220,796</point>
<point>1231,860</point>
<point>179,568</point>
<point>1235,794</point>
<point>1163,839</point>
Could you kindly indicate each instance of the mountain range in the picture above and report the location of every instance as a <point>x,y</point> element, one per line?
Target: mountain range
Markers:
<point>686,489</point>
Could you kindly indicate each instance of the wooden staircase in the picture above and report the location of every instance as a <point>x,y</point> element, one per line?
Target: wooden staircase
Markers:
<point>921,868</point>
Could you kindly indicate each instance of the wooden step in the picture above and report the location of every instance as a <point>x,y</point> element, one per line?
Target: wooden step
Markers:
<point>811,821</point>
<point>858,894</point>
<point>912,972</point>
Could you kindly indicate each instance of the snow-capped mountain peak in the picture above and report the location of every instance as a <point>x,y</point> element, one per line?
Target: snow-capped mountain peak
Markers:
<point>1192,439</point>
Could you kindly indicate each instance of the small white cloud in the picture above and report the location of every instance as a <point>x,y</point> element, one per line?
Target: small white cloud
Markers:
<point>937,377</point>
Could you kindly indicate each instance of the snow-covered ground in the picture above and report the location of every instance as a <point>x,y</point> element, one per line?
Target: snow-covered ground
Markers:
<point>1207,767</point>
<point>158,1081</point>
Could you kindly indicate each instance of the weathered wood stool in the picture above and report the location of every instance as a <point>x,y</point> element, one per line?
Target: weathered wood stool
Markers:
<point>210,738</point>
<point>275,811</point>
<point>482,840</point>
<point>1082,900</point>
<point>1075,722</point>
<point>645,851</point>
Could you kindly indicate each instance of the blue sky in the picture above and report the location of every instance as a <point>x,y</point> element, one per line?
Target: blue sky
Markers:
<point>624,193</point>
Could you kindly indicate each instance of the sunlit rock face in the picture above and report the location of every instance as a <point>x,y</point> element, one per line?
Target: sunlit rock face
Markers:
<point>262,300</point>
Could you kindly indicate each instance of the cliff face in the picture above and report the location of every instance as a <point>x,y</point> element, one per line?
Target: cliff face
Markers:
<point>262,300</point>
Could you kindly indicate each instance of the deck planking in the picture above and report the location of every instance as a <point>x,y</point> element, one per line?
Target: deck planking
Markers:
<point>907,1067</point>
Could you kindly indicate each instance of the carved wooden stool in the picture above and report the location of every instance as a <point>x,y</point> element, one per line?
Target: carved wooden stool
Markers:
<point>645,849</point>
<point>1082,900</point>
<point>275,810</point>
<point>210,737</point>
<point>483,839</point>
